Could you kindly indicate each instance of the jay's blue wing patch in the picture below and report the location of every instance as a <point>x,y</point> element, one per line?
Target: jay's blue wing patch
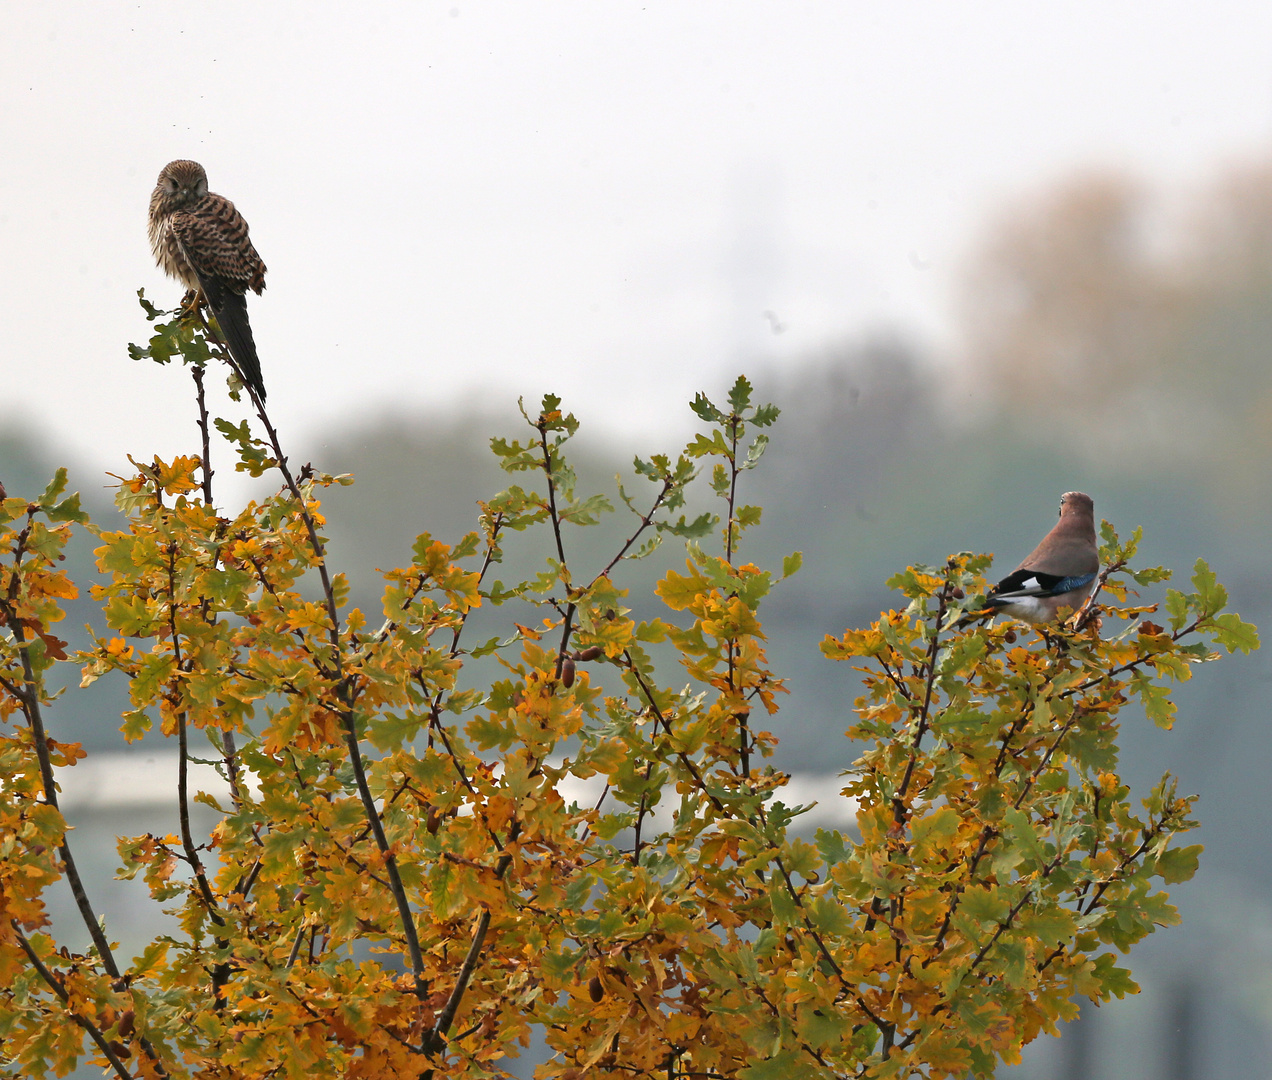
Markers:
<point>1022,583</point>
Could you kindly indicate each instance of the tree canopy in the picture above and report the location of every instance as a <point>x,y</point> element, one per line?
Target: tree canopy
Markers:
<point>401,882</point>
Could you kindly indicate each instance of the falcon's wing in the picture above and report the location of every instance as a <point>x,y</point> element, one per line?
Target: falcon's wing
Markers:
<point>213,238</point>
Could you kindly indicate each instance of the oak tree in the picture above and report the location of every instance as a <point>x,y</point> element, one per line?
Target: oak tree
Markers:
<point>403,880</point>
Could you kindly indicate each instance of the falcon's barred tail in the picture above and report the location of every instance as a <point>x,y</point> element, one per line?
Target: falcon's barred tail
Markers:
<point>230,309</point>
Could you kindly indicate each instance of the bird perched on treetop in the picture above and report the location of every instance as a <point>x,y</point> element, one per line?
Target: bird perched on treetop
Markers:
<point>1059,573</point>
<point>200,239</point>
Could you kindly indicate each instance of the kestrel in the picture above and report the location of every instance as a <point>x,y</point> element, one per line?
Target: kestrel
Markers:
<point>201,240</point>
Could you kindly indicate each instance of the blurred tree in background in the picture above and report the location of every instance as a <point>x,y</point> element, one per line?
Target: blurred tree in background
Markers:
<point>1106,320</point>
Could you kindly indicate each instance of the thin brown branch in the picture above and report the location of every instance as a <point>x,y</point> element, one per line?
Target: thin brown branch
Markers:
<point>735,426</point>
<point>567,628</point>
<point>1025,896</point>
<point>987,834</point>
<point>1150,837</point>
<point>552,507</point>
<point>898,802</point>
<point>849,988</point>
<point>183,754</point>
<point>197,371</point>
<point>1046,758</point>
<point>29,698</point>
<point>390,860</point>
<point>344,694</point>
<point>54,984</point>
<point>666,724</point>
<point>295,949</point>
<point>587,828</point>
<point>1130,665</point>
<point>777,1015</point>
<point>1090,608</point>
<point>437,1035</point>
<point>645,522</point>
<point>895,678</point>
<point>640,819</point>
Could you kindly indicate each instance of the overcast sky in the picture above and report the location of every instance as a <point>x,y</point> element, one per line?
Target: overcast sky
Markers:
<point>618,202</point>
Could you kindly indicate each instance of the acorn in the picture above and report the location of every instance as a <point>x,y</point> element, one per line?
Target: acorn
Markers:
<point>594,988</point>
<point>592,652</point>
<point>567,673</point>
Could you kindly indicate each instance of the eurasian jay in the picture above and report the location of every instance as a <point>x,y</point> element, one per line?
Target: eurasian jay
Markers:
<point>1059,573</point>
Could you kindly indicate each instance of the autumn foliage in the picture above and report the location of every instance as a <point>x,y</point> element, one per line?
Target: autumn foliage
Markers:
<point>403,880</point>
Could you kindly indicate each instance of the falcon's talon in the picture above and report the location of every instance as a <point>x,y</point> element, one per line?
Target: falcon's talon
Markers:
<point>189,306</point>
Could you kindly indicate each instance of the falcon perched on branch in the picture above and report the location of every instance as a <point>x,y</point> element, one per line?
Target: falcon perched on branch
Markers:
<point>201,240</point>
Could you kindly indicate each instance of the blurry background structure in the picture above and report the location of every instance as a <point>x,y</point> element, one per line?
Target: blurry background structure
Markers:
<point>980,254</point>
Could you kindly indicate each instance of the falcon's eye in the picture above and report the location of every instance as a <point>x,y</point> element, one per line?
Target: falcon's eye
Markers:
<point>170,184</point>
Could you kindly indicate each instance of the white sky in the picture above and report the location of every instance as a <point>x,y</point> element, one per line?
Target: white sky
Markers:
<point>461,201</point>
